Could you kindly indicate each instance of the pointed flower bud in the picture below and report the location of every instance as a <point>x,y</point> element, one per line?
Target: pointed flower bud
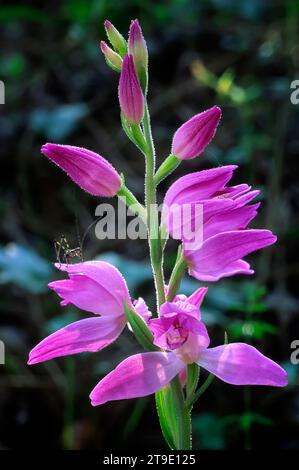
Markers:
<point>137,48</point>
<point>194,135</point>
<point>112,58</point>
<point>117,40</point>
<point>129,92</point>
<point>87,169</point>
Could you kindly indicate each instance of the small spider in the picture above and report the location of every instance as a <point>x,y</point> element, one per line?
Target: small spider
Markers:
<point>66,254</point>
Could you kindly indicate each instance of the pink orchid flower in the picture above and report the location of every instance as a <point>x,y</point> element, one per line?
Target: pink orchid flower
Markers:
<point>88,288</point>
<point>225,217</point>
<point>87,169</point>
<point>184,340</point>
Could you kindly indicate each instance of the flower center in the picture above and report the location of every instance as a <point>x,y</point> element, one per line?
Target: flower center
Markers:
<point>176,336</point>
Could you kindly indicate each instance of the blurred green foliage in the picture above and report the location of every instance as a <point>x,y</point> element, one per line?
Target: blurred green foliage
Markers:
<point>23,267</point>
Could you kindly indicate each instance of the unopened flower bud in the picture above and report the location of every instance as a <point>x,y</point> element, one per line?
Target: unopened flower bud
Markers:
<point>89,170</point>
<point>194,135</point>
<point>117,40</point>
<point>131,99</point>
<point>112,58</point>
<point>137,48</point>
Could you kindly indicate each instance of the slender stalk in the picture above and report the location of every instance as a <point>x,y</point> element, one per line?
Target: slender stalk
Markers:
<point>200,391</point>
<point>166,168</point>
<point>152,213</point>
<point>130,200</point>
<point>193,371</point>
<point>182,437</point>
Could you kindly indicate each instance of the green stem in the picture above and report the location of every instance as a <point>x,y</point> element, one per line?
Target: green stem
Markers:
<point>181,429</point>
<point>176,276</point>
<point>183,437</point>
<point>135,417</point>
<point>152,212</point>
<point>193,371</point>
<point>130,200</point>
<point>200,391</point>
<point>166,168</point>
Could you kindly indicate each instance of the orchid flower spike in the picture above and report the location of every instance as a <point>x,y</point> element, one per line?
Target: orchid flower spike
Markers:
<point>211,219</point>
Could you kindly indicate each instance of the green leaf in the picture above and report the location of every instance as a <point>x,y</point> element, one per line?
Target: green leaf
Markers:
<point>78,11</point>
<point>141,331</point>
<point>175,418</point>
<point>13,13</point>
<point>13,66</point>
<point>166,414</point>
<point>246,420</point>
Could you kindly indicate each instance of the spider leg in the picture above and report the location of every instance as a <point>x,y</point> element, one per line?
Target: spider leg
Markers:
<point>58,247</point>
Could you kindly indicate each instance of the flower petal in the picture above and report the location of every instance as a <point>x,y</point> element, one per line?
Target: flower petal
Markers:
<point>179,307</point>
<point>197,297</point>
<point>137,376</point>
<point>197,186</point>
<point>232,269</point>
<point>79,290</point>
<point>235,218</point>
<point>94,286</point>
<point>242,364</point>
<point>142,309</point>
<point>90,334</point>
<point>220,255</point>
<point>195,343</point>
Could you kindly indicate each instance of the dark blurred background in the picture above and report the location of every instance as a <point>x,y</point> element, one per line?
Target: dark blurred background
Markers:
<point>240,55</point>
